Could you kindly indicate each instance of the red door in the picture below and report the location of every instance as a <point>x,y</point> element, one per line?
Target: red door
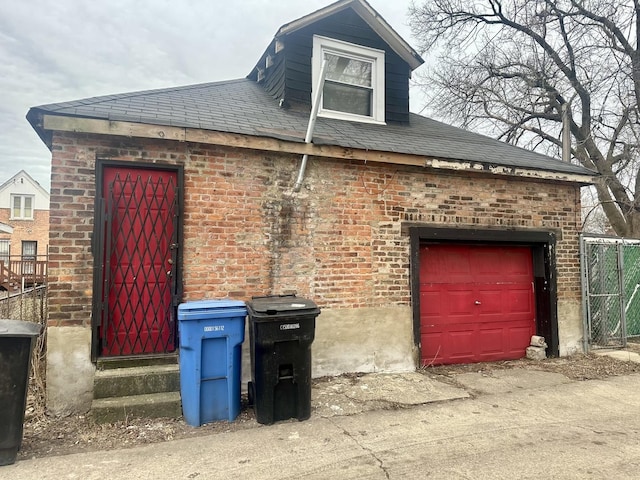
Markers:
<point>139,259</point>
<point>476,303</point>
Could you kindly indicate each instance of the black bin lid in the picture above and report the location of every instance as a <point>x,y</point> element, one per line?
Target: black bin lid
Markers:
<point>18,328</point>
<point>283,304</point>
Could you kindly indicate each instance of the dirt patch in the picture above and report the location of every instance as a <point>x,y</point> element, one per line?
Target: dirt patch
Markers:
<point>44,436</point>
<point>576,367</point>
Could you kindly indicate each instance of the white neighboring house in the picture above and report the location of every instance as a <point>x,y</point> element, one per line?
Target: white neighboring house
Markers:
<point>24,229</point>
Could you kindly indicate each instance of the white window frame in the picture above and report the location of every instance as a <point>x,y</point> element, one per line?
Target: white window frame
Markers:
<point>29,258</point>
<point>322,45</point>
<point>5,250</point>
<point>22,198</point>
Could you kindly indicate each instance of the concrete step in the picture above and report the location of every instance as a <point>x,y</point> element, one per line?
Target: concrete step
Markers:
<point>121,382</point>
<point>108,363</point>
<point>154,405</point>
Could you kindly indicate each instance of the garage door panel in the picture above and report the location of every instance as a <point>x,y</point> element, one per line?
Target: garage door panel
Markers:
<point>521,301</point>
<point>490,341</point>
<point>462,342</point>
<point>518,263</point>
<point>490,300</point>
<point>431,304</point>
<point>451,344</point>
<point>459,303</point>
<point>519,336</point>
<point>468,343</point>
<point>433,355</point>
<point>483,264</point>
<point>444,301</point>
<point>480,303</point>
<point>445,267</point>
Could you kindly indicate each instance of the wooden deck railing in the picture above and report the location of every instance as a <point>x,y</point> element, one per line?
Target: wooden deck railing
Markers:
<point>17,271</point>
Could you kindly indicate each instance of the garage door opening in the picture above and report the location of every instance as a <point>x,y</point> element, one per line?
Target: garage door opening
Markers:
<point>481,300</point>
<point>476,303</point>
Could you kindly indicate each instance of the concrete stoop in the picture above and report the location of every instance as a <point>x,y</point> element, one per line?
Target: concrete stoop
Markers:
<point>122,392</point>
<point>152,405</point>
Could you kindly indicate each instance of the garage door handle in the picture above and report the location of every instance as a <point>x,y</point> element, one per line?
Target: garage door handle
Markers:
<point>478,302</point>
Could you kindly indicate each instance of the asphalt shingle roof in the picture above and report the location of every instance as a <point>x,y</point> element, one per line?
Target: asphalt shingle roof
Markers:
<point>243,107</point>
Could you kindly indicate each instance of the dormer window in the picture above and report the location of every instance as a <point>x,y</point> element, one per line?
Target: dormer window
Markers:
<point>354,80</point>
<point>22,207</point>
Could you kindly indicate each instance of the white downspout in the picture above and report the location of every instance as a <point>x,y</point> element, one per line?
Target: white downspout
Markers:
<point>312,123</point>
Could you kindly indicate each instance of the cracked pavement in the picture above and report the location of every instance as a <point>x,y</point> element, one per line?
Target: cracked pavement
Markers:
<point>515,424</point>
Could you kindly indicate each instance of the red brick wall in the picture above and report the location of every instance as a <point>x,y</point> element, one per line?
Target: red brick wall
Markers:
<point>338,241</point>
<point>29,230</point>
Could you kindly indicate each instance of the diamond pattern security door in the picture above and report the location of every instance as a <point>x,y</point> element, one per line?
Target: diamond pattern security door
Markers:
<point>139,268</point>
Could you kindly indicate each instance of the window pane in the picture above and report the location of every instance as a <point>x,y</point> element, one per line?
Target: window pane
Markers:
<point>4,250</point>
<point>17,207</point>
<point>28,257</point>
<point>29,248</point>
<point>345,98</point>
<point>28,211</point>
<point>348,70</point>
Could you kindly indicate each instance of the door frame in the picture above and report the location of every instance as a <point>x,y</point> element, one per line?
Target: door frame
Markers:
<point>542,244</point>
<point>97,243</point>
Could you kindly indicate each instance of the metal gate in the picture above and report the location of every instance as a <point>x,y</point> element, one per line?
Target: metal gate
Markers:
<point>137,291</point>
<point>610,290</point>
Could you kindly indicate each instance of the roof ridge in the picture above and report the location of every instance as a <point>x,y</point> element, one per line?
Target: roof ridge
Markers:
<point>29,178</point>
<point>370,16</point>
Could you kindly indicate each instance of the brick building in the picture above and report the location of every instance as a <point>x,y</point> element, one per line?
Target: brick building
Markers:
<point>24,229</point>
<point>422,243</point>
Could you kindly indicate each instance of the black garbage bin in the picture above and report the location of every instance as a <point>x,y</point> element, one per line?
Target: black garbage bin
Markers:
<point>17,339</point>
<point>281,330</point>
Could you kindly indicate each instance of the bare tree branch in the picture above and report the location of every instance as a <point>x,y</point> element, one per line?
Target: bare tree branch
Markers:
<point>509,66</point>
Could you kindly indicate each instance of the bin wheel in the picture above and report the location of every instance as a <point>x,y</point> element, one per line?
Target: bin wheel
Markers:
<point>250,394</point>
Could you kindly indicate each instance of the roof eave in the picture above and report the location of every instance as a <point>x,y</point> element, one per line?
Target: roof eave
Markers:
<point>274,143</point>
<point>35,119</point>
<point>512,171</point>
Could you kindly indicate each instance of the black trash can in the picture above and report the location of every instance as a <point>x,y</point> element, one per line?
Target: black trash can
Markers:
<point>281,330</point>
<point>17,339</point>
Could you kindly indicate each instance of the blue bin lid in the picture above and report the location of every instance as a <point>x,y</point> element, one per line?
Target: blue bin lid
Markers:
<point>200,309</point>
<point>211,304</point>
<point>18,328</point>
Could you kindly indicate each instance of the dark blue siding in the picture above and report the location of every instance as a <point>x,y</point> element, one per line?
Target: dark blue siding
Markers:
<point>290,76</point>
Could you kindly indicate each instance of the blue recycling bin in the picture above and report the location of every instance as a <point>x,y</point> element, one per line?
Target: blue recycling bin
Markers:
<point>211,336</point>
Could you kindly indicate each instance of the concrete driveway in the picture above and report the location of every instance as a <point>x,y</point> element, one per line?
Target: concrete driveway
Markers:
<point>511,424</point>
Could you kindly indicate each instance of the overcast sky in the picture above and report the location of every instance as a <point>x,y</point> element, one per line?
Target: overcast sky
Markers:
<point>62,50</point>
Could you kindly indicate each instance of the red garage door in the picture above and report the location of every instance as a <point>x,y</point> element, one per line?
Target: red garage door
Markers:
<point>476,303</point>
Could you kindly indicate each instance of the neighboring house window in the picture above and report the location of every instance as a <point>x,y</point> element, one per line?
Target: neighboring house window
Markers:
<point>4,250</point>
<point>22,207</point>
<point>29,252</point>
<point>354,80</point>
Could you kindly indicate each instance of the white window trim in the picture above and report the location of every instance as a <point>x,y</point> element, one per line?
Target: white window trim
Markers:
<point>5,250</point>
<point>376,57</point>
<point>22,197</point>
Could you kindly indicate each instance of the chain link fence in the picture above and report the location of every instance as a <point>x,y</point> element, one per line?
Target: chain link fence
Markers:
<point>611,290</point>
<point>631,279</point>
<point>31,306</point>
